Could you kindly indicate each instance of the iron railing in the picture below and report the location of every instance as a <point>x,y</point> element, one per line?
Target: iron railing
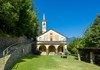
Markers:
<point>12,48</point>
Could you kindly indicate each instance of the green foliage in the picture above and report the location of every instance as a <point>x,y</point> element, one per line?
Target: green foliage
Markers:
<point>92,34</point>
<point>74,44</point>
<point>91,37</point>
<point>17,18</point>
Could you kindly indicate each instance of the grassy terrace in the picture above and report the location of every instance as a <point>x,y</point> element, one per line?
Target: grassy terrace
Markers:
<point>32,62</point>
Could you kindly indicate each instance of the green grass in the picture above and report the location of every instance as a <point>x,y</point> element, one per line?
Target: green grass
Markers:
<point>32,62</point>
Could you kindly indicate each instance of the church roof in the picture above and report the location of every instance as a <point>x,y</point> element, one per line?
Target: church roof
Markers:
<point>52,30</point>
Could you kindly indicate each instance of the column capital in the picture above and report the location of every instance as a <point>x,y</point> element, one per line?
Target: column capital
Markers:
<point>47,46</point>
<point>56,46</point>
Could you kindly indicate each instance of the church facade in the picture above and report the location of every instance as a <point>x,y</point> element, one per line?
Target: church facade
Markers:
<point>51,42</point>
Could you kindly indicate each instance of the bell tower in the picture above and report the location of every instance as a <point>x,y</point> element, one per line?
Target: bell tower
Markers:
<point>43,24</point>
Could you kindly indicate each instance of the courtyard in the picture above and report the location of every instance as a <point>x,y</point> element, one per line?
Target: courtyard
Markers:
<point>32,62</point>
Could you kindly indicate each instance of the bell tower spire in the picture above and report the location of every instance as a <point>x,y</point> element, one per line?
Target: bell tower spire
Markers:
<point>43,24</point>
<point>43,16</point>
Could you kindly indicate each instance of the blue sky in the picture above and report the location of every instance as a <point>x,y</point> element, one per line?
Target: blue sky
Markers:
<point>69,17</point>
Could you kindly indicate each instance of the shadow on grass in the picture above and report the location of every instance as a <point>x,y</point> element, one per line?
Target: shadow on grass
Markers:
<point>84,59</point>
<point>87,60</point>
<point>31,56</point>
<point>24,59</point>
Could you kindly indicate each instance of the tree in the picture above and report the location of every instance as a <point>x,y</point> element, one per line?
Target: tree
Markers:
<point>74,44</point>
<point>18,18</point>
<point>92,34</point>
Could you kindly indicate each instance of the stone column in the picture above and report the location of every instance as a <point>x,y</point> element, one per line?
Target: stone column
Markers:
<point>47,51</point>
<point>91,57</point>
<point>56,46</point>
<point>47,46</point>
<point>56,50</point>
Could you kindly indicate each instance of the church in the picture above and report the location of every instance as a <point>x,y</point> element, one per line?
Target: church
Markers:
<point>51,42</point>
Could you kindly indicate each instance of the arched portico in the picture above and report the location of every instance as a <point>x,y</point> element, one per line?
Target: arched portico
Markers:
<point>60,49</point>
<point>42,49</point>
<point>51,50</point>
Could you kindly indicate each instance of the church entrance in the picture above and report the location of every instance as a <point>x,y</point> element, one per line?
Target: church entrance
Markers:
<point>60,49</point>
<point>42,49</point>
<point>52,50</point>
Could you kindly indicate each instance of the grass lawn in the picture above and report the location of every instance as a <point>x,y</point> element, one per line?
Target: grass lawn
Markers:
<point>32,62</point>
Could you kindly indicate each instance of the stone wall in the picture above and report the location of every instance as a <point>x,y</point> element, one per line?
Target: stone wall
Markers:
<point>21,50</point>
<point>7,41</point>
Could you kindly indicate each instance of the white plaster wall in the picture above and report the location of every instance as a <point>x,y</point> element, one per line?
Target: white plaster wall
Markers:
<point>46,36</point>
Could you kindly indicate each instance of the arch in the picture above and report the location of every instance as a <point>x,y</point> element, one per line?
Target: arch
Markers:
<point>52,50</point>
<point>42,48</point>
<point>60,49</point>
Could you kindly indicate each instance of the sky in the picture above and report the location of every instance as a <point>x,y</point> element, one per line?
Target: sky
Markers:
<point>69,17</point>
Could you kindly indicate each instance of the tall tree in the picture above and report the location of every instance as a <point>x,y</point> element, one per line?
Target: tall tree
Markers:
<point>17,18</point>
<point>92,34</point>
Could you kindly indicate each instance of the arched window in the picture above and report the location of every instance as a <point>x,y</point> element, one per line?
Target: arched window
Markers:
<point>43,23</point>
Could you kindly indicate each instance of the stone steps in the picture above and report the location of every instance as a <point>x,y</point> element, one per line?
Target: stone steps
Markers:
<point>43,53</point>
<point>3,61</point>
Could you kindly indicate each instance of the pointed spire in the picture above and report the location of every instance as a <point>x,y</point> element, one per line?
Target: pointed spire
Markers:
<point>43,16</point>
<point>43,24</point>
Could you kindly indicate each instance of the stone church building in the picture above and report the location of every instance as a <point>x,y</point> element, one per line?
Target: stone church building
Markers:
<point>50,42</point>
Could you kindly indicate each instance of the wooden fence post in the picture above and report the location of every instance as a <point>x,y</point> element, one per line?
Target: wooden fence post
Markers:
<point>78,53</point>
<point>91,57</point>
